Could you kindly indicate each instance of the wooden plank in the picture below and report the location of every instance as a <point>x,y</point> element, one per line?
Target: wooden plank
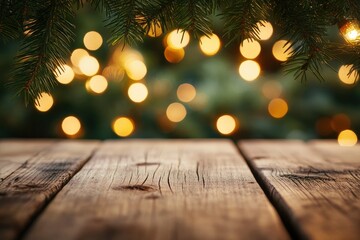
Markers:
<point>15,153</point>
<point>153,189</point>
<point>27,190</point>
<point>318,197</point>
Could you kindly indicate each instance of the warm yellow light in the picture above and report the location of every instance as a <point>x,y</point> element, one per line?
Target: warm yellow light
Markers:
<point>178,38</point>
<point>249,70</point>
<point>226,124</point>
<point>265,30</point>
<point>77,55</point>
<point>278,108</point>
<point>210,45</point>
<point>174,55</point>
<point>136,70</point>
<point>123,126</point>
<point>137,92</point>
<point>271,89</point>
<point>93,40</point>
<point>64,74</point>
<point>186,92</point>
<point>250,48</point>
<point>176,112</point>
<point>155,29</point>
<point>113,72</point>
<point>124,56</point>
<point>347,138</point>
<point>98,84</point>
<point>344,75</point>
<point>279,50</point>
<point>351,31</point>
<point>44,102</point>
<point>71,125</point>
<point>89,65</point>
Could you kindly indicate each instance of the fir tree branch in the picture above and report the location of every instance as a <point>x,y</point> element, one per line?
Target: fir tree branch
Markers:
<point>43,48</point>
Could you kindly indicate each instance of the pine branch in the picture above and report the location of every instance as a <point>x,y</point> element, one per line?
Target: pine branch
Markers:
<point>43,48</point>
<point>9,24</point>
<point>241,18</point>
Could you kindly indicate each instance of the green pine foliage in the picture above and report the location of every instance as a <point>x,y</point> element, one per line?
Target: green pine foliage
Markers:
<point>45,30</point>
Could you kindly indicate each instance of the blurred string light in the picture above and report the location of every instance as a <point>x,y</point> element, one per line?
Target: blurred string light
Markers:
<point>89,65</point>
<point>347,138</point>
<point>64,74</point>
<point>340,122</point>
<point>44,102</point>
<point>92,40</point>
<point>186,92</point>
<point>122,57</point>
<point>265,30</point>
<point>210,45</point>
<point>77,55</point>
<point>250,48</point>
<point>123,126</point>
<point>174,55</point>
<point>136,69</point>
<point>137,92</point>
<point>155,29</point>
<point>178,38</point>
<point>281,50</point>
<point>278,108</point>
<point>271,89</point>
<point>97,84</point>
<point>344,75</point>
<point>71,125</point>
<point>176,112</point>
<point>226,124</point>
<point>113,72</point>
<point>249,70</point>
<point>350,30</point>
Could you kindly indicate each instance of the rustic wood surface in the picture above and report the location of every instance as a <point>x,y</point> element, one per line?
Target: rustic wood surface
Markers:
<point>315,186</point>
<point>35,172</point>
<point>153,189</point>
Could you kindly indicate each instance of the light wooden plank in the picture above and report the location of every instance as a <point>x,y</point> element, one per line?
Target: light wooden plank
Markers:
<point>15,153</point>
<point>154,189</point>
<point>317,193</point>
<point>26,191</point>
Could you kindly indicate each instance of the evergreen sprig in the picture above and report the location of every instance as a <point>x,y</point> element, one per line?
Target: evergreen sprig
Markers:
<point>45,30</point>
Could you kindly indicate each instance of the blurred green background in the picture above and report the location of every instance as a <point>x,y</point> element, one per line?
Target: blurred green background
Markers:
<point>273,105</point>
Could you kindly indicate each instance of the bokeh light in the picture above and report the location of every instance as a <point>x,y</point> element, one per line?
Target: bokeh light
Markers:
<point>71,125</point>
<point>93,40</point>
<point>113,72</point>
<point>250,48</point>
<point>226,124</point>
<point>89,65</point>
<point>44,102</point>
<point>77,55</point>
<point>176,112</point>
<point>271,89</point>
<point>97,84</point>
<point>347,138</point>
<point>186,92</point>
<point>249,70</point>
<point>137,92</point>
<point>155,29</point>
<point>123,126</point>
<point>64,74</point>
<point>174,55</point>
<point>136,70</point>
<point>344,74</point>
<point>323,126</point>
<point>178,38</point>
<point>280,50</point>
<point>265,30</point>
<point>210,45</point>
<point>278,108</point>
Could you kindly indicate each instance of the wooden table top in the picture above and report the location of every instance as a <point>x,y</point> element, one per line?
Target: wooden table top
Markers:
<point>178,189</point>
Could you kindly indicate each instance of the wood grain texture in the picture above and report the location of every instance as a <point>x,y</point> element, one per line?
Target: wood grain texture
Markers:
<point>26,191</point>
<point>153,189</point>
<point>15,153</point>
<point>316,186</point>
